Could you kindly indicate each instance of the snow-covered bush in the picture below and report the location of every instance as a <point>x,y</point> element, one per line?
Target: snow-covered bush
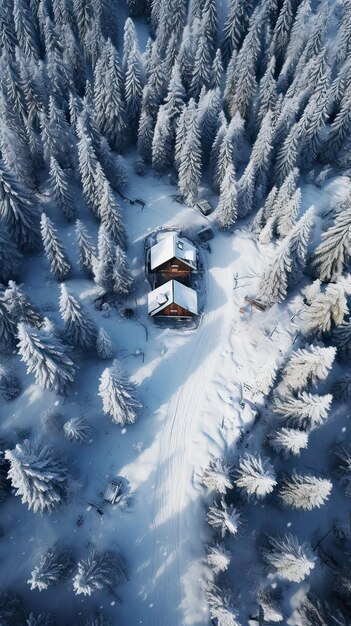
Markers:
<point>54,566</point>
<point>308,366</point>
<point>268,601</point>
<point>222,608</point>
<point>77,429</point>
<point>9,383</point>
<point>255,476</point>
<point>288,441</point>
<point>224,518</point>
<point>80,330</point>
<point>119,397</point>
<point>218,558</point>
<point>304,491</point>
<point>45,356</point>
<point>306,410</point>
<point>104,345</point>
<point>39,475</point>
<point>288,558</point>
<point>98,571</point>
<point>217,476</point>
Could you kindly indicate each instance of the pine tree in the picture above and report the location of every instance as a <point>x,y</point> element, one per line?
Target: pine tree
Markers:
<point>43,619</point>
<point>104,345</point>
<point>133,87</point>
<point>298,245</point>
<point>103,266</point>
<point>190,160</point>
<point>217,476</point>
<point>267,92</point>
<point>98,571</point>
<point>218,558</point>
<point>86,250</point>
<point>18,212</point>
<point>339,130</point>
<point>297,42</point>
<point>343,469</point>
<point>59,186</point>
<point>119,395</point>
<point>145,135</point>
<point>222,608</point>
<point>202,66</point>
<point>8,329</point>
<point>77,429</point>
<point>227,205</point>
<point>308,366</point>
<point>97,620</point>
<point>110,217</point>
<point>273,283</point>
<point>287,155</point>
<point>88,166</point>
<point>269,603</point>
<point>342,339</point>
<point>39,476</point>
<point>45,357</point>
<point>80,330</point>
<point>334,251</point>
<point>255,476</point>
<point>20,307</point>
<point>306,410</point>
<point>54,566</point>
<point>217,70</point>
<point>305,492</point>
<point>113,166</point>
<point>10,386</point>
<point>288,441</point>
<point>10,258</point>
<point>235,27</point>
<point>288,558</point>
<point>162,148</point>
<point>122,277</point>
<point>26,29</point>
<point>111,118</point>
<point>328,307</point>
<point>224,518</point>
<point>54,250</point>
<point>207,118</point>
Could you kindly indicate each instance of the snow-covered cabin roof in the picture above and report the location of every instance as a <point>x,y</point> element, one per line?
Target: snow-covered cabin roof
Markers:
<point>172,247</point>
<point>172,292</point>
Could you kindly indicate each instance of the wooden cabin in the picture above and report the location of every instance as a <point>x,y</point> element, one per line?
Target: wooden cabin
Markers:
<point>173,257</point>
<point>173,299</point>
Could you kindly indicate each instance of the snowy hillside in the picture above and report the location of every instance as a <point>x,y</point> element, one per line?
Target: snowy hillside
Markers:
<point>220,427</point>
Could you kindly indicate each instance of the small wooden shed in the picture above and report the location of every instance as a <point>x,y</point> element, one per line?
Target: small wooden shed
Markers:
<point>173,299</point>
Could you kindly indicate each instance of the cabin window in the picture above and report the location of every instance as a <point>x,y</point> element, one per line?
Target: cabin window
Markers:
<point>180,245</point>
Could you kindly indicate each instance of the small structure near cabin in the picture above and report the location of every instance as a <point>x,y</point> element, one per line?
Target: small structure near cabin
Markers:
<point>173,299</point>
<point>173,257</point>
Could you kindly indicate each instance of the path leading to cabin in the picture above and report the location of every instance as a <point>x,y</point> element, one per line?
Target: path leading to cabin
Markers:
<point>176,595</point>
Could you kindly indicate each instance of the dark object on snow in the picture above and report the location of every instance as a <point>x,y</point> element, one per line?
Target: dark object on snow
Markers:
<point>128,313</point>
<point>204,206</point>
<point>255,303</point>
<point>132,202</point>
<point>113,491</point>
<point>205,234</point>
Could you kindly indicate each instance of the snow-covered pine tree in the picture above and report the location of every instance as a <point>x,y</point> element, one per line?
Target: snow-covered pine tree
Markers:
<point>129,41</point>
<point>308,366</point>
<point>98,571</point>
<point>86,250</point>
<point>10,608</point>
<point>54,565</point>
<point>59,186</point>
<point>267,92</point>
<point>10,258</point>
<point>222,608</point>
<point>273,284</point>
<point>18,211</point>
<point>88,165</point>
<point>297,41</point>
<point>123,279</point>
<point>80,330</point>
<point>306,410</point>
<point>304,491</point>
<point>334,251</point>
<point>218,475</point>
<point>190,159</point>
<point>39,475</point>
<point>111,219</point>
<point>182,127</point>
<point>218,558</point>
<point>288,558</point>
<point>255,476</point>
<point>111,119</point>
<point>235,27</point>
<point>133,87</point>
<point>298,243</point>
<point>8,329</point>
<point>77,429</point>
<point>103,266</point>
<point>104,345</point>
<point>26,29</point>
<point>162,148</point>
<point>328,307</point>
<point>227,206</point>
<point>20,307</point>
<point>54,250</point>
<point>268,601</point>
<point>287,154</point>
<point>97,620</point>
<point>342,339</point>
<point>339,130</point>
<point>119,396</point>
<point>208,112</point>
<point>224,518</point>
<point>288,441</point>
<point>217,70</point>
<point>45,356</point>
<point>343,469</point>
<point>9,383</point>
<point>314,612</point>
<point>202,66</point>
